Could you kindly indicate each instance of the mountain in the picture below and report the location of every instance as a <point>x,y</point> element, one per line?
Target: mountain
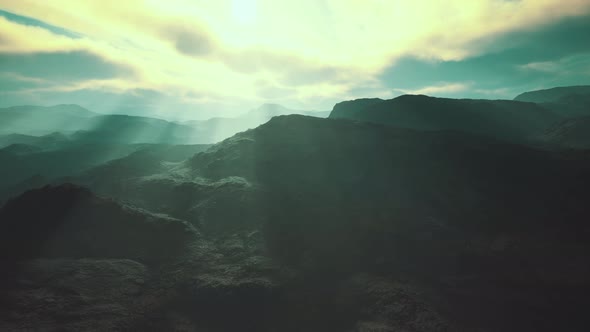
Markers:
<point>508,120</point>
<point>89,127</point>
<point>217,129</point>
<point>305,224</point>
<point>457,217</point>
<point>473,218</point>
<point>69,221</point>
<point>135,129</point>
<point>31,124</point>
<point>38,120</point>
<point>567,102</point>
<point>350,108</point>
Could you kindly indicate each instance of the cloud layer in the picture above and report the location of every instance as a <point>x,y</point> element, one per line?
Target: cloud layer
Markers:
<point>217,57</point>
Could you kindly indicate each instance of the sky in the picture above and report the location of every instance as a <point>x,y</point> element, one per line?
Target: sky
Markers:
<point>192,59</point>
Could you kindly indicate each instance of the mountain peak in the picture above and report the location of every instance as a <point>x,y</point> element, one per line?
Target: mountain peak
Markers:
<point>348,108</point>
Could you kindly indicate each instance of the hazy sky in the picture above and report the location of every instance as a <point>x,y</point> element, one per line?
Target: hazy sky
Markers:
<point>181,58</point>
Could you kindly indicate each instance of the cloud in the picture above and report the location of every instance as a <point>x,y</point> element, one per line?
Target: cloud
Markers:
<point>439,89</point>
<point>37,23</point>
<point>310,52</point>
<point>11,82</point>
<point>555,54</point>
<point>62,66</point>
<point>576,65</point>
<point>189,40</point>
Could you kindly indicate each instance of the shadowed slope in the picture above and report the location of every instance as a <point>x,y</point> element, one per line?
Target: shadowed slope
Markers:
<point>435,207</point>
<point>567,102</point>
<point>69,221</point>
<point>503,119</point>
<point>553,95</point>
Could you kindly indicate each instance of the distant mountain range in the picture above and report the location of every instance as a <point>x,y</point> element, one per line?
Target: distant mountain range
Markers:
<point>84,126</point>
<point>524,119</point>
<point>51,142</point>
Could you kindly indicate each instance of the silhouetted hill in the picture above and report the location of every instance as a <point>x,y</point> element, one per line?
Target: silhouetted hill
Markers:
<point>21,149</point>
<point>217,129</point>
<point>508,120</point>
<point>38,120</point>
<point>350,108</point>
<point>25,165</point>
<point>21,162</point>
<point>135,129</point>
<point>70,222</point>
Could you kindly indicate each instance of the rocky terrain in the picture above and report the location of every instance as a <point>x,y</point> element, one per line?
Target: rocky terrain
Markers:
<point>310,224</point>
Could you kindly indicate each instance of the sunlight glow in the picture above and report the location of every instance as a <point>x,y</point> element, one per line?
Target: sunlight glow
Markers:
<point>244,11</point>
<point>307,53</point>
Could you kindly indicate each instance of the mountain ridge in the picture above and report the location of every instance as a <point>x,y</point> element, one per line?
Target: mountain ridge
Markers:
<point>505,119</point>
<point>552,94</point>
